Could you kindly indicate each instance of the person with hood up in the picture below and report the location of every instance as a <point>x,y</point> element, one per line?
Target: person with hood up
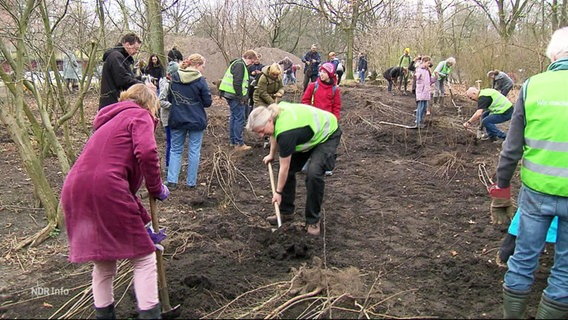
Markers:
<point>117,72</point>
<point>269,86</point>
<point>104,218</point>
<point>189,96</point>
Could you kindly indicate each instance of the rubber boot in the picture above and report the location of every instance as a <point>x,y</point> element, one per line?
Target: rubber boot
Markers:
<point>514,304</point>
<point>550,309</point>
<point>154,313</point>
<point>105,313</point>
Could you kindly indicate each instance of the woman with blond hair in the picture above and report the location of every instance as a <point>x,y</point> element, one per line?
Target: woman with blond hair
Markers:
<point>269,86</point>
<point>105,220</point>
<point>189,95</point>
<point>298,132</point>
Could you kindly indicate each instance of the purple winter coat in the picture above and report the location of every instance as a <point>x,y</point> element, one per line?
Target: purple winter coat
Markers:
<point>424,80</point>
<point>104,218</point>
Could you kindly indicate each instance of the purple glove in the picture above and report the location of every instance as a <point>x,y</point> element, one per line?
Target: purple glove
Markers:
<point>156,237</point>
<point>164,194</point>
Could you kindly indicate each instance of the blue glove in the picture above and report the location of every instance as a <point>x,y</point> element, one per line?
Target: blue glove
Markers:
<point>156,237</point>
<point>164,194</point>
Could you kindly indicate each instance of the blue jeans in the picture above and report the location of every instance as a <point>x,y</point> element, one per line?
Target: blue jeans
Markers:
<point>390,85</point>
<point>537,211</point>
<point>422,105</point>
<point>168,145</point>
<point>236,121</point>
<point>489,121</point>
<point>362,77</point>
<point>193,155</point>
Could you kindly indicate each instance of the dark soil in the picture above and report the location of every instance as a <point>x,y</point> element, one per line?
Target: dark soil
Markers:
<point>406,228</point>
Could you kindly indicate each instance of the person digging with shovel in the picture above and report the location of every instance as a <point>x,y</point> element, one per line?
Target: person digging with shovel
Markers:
<point>298,132</point>
<point>105,220</point>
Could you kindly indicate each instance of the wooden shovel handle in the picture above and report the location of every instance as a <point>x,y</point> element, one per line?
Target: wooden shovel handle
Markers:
<point>273,185</point>
<point>162,282</point>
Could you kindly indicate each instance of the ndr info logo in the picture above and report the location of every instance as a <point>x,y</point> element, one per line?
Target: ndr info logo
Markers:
<point>49,291</point>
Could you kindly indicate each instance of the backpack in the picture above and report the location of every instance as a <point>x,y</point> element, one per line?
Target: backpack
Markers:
<point>333,89</point>
<point>339,67</point>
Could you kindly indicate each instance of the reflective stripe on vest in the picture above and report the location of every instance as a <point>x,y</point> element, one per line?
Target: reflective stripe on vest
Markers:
<point>227,81</point>
<point>295,116</point>
<point>500,103</point>
<point>545,158</point>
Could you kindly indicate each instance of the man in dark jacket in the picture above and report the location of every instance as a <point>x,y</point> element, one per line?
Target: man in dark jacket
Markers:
<point>117,72</point>
<point>362,67</point>
<point>392,74</point>
<point>311,61</point>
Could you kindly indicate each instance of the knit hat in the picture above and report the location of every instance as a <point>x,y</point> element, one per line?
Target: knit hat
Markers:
<point>329,69</point>
<point>407,50</point>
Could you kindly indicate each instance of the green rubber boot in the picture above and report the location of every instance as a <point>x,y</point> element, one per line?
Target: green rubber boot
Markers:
<point>550,309</point>
<point>105,313</point>
<point>154,313</point>
<point>514,304</point>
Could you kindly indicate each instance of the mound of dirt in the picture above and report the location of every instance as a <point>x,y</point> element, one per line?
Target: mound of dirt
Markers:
<point>216,65</point>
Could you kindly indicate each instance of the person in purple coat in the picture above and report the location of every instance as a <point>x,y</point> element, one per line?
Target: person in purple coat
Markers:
<point>105,220</point>
<point>424,80</point>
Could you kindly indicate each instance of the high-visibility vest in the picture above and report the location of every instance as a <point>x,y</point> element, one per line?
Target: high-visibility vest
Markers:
<point>227,81</point>
<point>500,103</point>
<point>296,115</point>
<point>545,157</point>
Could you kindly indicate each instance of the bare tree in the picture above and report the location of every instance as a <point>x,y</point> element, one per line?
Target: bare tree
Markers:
<point>233,26</point>
<point>508,14</point>
<point>559,14</point>
<point>29,44</point>
<point>346,16</point>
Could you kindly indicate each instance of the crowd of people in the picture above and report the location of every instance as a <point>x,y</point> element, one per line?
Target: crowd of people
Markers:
<point>106,221</point>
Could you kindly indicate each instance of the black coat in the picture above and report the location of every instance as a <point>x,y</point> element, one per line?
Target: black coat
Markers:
<point>392,73</point>
<point>117,75</point>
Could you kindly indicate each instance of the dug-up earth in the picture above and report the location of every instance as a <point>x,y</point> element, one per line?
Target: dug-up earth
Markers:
<point>406,228</point>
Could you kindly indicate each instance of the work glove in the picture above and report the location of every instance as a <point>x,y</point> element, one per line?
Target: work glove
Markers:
<point>164,194</point>
<point>501,210</point>
<point>156,237</point>
<point>244,100</point>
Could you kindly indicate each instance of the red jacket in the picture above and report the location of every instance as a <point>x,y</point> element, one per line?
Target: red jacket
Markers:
<point>104,218</point>
<point>324,97</point>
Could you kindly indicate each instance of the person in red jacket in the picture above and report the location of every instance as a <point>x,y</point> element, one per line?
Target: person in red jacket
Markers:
<point>324,94</point>
<point>104,218</point>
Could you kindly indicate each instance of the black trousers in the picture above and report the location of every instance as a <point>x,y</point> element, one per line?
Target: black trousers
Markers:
<point>322,160</point>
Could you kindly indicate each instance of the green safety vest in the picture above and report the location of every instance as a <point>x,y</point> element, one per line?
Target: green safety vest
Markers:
<point>500,103</point>
<point>545,157</point>
<point>227,81</point>
<point>296,115</point>
<point>446,70</point>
